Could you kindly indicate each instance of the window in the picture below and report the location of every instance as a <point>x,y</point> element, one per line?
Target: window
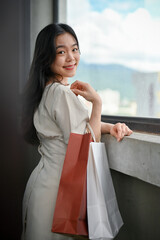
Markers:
<point>120,48</point>
<point>120,56</point>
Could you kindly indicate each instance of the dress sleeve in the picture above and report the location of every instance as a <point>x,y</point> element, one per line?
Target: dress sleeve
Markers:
<point>68,112</point>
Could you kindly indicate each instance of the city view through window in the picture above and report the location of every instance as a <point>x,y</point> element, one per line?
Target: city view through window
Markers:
<point>120,53</point>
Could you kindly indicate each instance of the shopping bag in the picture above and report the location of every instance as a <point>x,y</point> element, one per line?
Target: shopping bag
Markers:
<point>71,207</point>
<point>104,219</point>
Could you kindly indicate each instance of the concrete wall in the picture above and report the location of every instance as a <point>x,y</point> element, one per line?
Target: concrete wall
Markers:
<point>135,168</point>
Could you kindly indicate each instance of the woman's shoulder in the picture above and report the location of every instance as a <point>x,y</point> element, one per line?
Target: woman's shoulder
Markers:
<point>59,96</point>
<point>57,93</point>
<point>58,88</point>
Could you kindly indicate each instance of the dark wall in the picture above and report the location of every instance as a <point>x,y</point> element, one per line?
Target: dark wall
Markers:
<point>16,164</point>
<point>139,206</point>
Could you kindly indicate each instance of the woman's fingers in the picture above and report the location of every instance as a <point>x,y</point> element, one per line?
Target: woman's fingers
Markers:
<point>119,130</point>
<point>79,92</point>
<point>79,85</point>
<point>86,91</point>
<point>79,88</point>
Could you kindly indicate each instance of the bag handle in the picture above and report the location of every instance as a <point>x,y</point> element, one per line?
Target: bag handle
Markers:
<point>91,131</point>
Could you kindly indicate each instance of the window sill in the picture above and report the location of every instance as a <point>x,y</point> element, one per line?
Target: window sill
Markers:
<point>137,155</point>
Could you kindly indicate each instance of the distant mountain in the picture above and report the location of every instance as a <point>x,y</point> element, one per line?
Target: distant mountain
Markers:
<point>112,67</point>
<point>112,76</point>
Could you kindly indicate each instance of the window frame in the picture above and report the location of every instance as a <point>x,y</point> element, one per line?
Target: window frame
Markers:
<point>141,124</point>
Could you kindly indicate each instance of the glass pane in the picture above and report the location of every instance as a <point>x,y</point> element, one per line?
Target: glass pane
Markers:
<point>120,53</point>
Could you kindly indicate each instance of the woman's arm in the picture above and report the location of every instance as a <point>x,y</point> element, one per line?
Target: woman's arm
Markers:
<point>118,130</point>
<point>86,91</point>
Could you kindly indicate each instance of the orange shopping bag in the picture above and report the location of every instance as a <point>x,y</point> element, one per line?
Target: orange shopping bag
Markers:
<point>71,205</point>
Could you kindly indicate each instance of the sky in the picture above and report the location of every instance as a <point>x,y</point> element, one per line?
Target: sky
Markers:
<point>118,31</point>
<point>117,5</point>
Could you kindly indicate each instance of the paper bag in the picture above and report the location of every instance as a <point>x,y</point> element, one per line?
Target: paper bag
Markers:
<point>104,219</point>
<point>70,210</point>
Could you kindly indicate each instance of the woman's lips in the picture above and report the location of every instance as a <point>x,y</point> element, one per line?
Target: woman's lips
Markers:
<point>69,67</point>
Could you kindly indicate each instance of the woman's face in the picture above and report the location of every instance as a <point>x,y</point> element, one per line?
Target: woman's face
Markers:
<point>67,56</point>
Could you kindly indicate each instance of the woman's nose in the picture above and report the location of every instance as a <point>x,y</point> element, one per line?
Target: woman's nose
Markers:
<point>70,56</point>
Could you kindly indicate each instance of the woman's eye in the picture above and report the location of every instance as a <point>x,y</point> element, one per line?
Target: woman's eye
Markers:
<point>75,49</point>
<point>61,52</point>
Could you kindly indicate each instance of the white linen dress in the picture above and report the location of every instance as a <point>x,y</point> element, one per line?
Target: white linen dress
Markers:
<point>60,112</point>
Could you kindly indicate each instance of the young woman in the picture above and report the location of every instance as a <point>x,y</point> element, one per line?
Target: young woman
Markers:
<point>51,111</point>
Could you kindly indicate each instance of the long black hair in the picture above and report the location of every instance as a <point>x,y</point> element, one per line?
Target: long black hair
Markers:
<point>40,73</point>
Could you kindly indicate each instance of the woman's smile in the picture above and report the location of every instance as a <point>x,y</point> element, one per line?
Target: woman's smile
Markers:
<point>70,67</point>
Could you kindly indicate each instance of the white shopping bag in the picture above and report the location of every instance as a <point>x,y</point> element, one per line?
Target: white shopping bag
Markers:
<point>104,219</point>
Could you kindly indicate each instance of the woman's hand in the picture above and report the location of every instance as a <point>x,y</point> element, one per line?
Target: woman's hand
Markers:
<point>85,90</point>
<point>119,130</point>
